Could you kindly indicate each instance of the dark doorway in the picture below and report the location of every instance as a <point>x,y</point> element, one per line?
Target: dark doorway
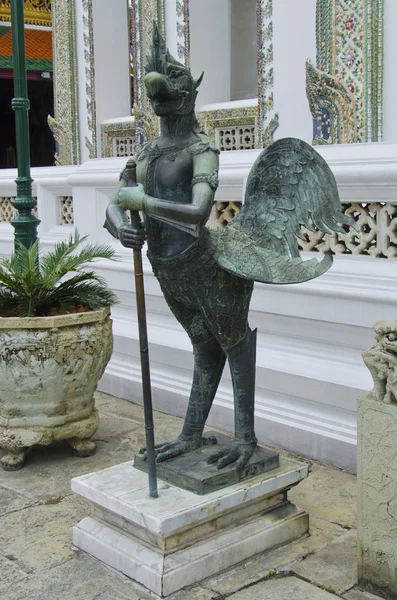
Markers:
<point>42,143</point>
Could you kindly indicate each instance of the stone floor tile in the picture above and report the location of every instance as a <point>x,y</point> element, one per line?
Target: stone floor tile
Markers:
<point>10,573</point>
<point>195,593</point>
<point>191,593</point>
<point>335,567</point>
<point>113,426</point>
<point>49,470</point>
<point>358,595</point>
<point>280,560</point>
<point>117,406</point>
<point>287,588</point>
<point>328,493</point>
<point>40,537</point>
<point>79,578</point>
<point>11,501</point>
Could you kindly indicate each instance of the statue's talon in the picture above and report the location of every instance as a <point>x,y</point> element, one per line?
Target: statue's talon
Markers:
<point>240,454</point>
<point>213,458</point>
<point>158,448</point>
<point>162,456</point>
<point>230,458</point>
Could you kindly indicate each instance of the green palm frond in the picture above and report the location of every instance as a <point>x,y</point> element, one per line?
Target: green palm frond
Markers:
<point>64,259</point>
<point>90,293</point>
<point>31,288</point>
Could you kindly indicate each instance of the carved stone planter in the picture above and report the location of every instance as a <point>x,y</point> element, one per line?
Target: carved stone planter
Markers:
<point>49,370</point>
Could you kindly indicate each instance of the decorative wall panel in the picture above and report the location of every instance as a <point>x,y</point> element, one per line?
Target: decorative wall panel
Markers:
<point>183,31</point>
<point>267,118</point>
<point>37,12</point>
<point>216,123</point>
<point>65,123</point>
<point>377,223</point>
<point>118,138</point>
<point>349,74</point>
<point>85,13</point>
<point>66,210</point>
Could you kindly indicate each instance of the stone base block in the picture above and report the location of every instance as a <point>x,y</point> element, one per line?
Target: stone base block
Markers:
<point>181,537</point>
<point>377,497</point>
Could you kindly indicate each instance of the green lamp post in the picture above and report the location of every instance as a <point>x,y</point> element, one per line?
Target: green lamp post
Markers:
<point>25,223</point>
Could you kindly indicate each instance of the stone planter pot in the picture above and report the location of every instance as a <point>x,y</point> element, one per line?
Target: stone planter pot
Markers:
<point>49,370</point>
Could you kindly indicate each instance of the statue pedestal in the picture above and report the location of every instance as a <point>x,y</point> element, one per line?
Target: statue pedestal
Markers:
<point>181,538</point>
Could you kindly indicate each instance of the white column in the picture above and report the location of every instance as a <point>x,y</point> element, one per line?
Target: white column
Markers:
<point>112,61</point>
<point>390,73</point>
<point>210,49</point>
<point>170,27</point>
<point>294,41</point>
<point>244,76</point>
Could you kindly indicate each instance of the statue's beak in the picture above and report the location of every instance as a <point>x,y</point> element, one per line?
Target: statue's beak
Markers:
<point>157,86</point>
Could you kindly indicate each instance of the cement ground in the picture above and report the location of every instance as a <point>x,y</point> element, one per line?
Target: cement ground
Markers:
<point>38,511</point>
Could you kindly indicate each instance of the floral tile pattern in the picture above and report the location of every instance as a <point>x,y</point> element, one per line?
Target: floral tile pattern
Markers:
<point>350,50</point>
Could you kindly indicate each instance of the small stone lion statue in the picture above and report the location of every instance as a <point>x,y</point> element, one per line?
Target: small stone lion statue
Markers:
<point>381,360</point>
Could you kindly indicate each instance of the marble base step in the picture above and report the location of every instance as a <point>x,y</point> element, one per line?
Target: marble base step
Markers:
<point>181,537</point>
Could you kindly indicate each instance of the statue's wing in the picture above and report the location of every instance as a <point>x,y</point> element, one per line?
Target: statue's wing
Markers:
<point>289,185</point>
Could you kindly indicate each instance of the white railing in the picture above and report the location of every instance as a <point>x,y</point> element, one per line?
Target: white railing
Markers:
<point>310,336</point>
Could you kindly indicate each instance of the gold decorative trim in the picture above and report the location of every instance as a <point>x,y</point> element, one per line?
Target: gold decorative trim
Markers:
<point>37,12</point>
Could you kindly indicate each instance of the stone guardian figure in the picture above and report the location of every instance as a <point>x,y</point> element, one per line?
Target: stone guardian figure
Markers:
<point>207,276</point>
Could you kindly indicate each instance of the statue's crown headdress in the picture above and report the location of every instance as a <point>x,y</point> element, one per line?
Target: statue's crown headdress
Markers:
<point>160,59</point>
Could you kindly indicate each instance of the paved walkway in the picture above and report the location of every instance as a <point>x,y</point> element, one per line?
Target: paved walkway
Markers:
<point>38,511</point>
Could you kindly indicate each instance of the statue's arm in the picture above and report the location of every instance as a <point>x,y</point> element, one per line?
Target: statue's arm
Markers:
<point>115,215</point>
<point>116,223</point>
<point>204,184</point>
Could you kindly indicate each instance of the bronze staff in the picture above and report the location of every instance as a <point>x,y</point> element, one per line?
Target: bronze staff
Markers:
<point>144,352</point>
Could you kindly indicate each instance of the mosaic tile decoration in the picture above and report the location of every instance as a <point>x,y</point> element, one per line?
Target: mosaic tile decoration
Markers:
<point>267,118</point>
<point>333,108</point>
<point>350,53</point>
<point>65,123</point>
<point>183,31</point>
<point>85,13</point>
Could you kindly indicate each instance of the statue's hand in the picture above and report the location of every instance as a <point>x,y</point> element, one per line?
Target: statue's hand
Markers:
<point>131,237</point>
<point>131,198</point>
<point>168,450</point>
<point>239,453</point>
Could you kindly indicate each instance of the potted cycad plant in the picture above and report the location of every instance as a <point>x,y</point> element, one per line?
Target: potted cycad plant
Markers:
<point>55,342</point>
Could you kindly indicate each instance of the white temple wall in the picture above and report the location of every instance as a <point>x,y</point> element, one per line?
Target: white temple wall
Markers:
<point>171,26</point>
<point>294,41</point>
<point>112,61</point>
<point>310,336</point>
<point>244,75</point>
<point>210,49</point>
